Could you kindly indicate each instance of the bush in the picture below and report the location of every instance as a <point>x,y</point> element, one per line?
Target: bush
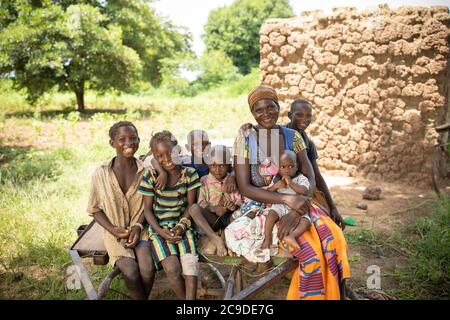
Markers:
<point>429,255</point>
<point>33,164</point>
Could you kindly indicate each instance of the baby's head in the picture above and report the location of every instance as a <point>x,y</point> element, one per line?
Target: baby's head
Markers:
<point>198,143</point>
<point>300,114</point>
<point>288,164</point>
<point>219,161</point>
<point>165,149</point>
<point>123,137</point>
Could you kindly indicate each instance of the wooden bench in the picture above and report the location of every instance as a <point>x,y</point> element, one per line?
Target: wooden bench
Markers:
<point>89,244</point>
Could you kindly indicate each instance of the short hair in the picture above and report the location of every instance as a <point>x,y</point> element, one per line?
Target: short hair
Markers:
<point>162,136</point>
<point>117,125</point>
<point>291,154</point>
<point>301,102</point>
<point>192,132</point>
<point>220,150</point>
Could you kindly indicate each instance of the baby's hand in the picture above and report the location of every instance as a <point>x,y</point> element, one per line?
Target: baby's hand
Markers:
<point>280,184</point>
<point>287,180</point>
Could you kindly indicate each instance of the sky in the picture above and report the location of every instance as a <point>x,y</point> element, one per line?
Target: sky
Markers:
<point>193,14</point>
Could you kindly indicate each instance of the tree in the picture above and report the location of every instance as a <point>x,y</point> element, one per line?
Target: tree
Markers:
<point>48,47</point>
<point>154,38</point>
<point>46,44</point>
<point>234,29</point>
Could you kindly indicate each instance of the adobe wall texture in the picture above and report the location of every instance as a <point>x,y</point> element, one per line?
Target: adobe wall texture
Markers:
<point>378,81</point>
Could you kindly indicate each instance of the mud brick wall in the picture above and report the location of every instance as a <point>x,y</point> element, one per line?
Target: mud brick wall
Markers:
<point>378,81</point>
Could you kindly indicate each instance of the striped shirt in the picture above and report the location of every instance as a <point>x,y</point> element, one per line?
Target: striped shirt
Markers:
<point>169,204</point>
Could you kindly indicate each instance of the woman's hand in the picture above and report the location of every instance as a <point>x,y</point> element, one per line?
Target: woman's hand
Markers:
<point>288,223</point>
<point>120,232</point>
<point>336,216</point>
<point>133,238</point>
<point>298,203</point>
<point>161,181</point>
<point>220,211</point>
<point>230,184</point>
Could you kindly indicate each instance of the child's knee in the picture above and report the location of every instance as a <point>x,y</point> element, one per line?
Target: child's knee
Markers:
<point>189,264</point>
<point>194,210</point>
<point>172,268</point>
<point>129,269</point>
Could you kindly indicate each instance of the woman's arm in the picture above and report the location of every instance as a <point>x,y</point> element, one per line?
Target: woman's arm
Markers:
<point>307,170</point>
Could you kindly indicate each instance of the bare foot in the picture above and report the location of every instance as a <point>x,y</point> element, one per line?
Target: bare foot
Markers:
<point>291,242</point>
<point>220,245</point>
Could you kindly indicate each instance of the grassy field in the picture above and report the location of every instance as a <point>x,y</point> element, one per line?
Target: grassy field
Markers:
<point>48,152</point>
<point>46,157</point>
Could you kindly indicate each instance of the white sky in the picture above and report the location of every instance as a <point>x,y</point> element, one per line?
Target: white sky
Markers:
<point>194,13</point>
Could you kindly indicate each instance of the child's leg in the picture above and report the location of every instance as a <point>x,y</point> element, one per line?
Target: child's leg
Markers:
<point>271,219</point>
<point>190,266</point>
<point>130,270</point>
<point>172,268</point>
<point>146,267</point>
<point>291,239</point>
<point>196,212</point>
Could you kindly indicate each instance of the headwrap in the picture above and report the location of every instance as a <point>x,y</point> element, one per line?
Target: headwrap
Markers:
<point>262,93</point>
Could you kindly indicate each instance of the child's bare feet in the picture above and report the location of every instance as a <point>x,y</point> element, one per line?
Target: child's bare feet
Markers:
<point>220,245</point>
<point>291,242</point>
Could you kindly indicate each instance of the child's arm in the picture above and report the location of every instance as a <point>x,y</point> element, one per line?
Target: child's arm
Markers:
<point>151,220</point>
<point>135,233</point>
<point>118,232</point>
<point>191,199</point>
<point>299,189</point>
<point>161,180</point>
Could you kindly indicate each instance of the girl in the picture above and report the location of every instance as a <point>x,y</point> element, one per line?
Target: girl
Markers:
<point>166,211</point>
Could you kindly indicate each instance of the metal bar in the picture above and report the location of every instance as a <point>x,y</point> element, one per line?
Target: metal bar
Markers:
<point>230,284</point>
<point>83,275</point>
<point>106,283</point>
<point>218,274</point>
<point>260,284</point>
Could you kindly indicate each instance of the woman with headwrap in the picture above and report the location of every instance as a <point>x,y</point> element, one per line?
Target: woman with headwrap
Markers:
<point>323,264</point>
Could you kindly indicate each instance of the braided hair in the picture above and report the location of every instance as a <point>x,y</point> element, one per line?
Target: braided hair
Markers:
<point>162,136</point>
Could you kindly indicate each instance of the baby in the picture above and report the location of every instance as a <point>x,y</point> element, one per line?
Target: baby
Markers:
<point>288,181</point>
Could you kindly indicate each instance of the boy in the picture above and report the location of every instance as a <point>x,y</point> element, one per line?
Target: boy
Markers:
<point>216,203</point>
<point>117,207</point>
<point>300,116</point>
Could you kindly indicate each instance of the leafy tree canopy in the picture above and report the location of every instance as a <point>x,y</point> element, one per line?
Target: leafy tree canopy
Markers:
<point>234,29</point>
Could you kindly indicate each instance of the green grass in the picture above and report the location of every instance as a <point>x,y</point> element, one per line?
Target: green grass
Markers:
<point>425,244</point>
<point>47,155</point>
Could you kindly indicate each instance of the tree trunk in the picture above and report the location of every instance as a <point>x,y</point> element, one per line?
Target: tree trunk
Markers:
<point>79,92</point>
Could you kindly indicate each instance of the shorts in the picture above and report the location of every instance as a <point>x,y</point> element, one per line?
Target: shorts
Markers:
<point>222,222</point>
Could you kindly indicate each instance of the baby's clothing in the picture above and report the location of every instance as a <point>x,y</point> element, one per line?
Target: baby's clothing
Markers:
<point>282,209</point>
